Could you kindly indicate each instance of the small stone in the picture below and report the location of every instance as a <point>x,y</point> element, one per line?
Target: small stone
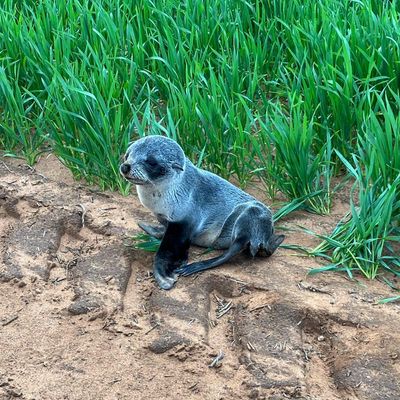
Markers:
<point>165,342</point>
<point>83,306</point>
<point>254,394</point>
<point>51,264</point>
<point>321,338</point>
<point>182,357</point>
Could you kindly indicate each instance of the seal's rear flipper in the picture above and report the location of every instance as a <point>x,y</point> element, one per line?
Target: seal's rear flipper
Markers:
<point>236,247</point>
<point>156,231</point>
<point>273,243</point>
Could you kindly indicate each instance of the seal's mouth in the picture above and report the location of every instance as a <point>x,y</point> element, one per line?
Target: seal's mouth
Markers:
<point>134,176</point>
<point>135,181</point>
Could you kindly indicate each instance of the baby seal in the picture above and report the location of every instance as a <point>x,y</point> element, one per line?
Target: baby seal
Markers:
<point>193,206</point>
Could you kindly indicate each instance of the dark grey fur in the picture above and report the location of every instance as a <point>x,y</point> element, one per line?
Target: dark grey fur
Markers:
<point>193,206</point>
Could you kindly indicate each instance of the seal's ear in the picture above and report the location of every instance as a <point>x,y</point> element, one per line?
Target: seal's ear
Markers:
<point>177,166</point>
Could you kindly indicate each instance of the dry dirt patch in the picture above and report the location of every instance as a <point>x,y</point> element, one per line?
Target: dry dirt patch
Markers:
<point>81,317</point>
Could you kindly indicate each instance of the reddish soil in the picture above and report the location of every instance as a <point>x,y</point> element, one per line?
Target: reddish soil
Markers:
<point>81,317</point>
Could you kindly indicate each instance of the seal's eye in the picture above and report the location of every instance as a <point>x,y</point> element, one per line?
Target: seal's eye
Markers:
<point>151,161</point>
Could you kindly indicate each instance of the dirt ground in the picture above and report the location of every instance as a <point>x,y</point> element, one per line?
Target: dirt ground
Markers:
<point>81,317</point>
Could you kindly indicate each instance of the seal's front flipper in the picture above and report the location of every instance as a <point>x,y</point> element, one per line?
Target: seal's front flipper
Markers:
<point>172,254</point>
<point>236,247</point>
<point>156,231</point>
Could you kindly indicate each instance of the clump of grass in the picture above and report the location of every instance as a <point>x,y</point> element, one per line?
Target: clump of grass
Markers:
<point>91,130</point>
<point>299,166</point>
<point>145,242</point>
<point>364,240</point>
<point>23,123</point>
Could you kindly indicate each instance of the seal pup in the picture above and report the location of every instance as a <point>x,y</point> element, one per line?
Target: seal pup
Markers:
<point>193,206</point>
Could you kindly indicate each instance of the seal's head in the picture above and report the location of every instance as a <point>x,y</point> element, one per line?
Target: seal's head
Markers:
<point>152,160</point>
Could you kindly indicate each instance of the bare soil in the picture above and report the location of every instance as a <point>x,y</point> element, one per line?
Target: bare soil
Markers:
<point>81,317</point>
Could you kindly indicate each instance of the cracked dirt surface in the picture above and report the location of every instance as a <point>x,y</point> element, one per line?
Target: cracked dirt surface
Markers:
<point>81,317</point>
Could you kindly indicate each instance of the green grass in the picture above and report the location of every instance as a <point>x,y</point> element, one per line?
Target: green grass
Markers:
<point>145,242</point>
<point>298,169</point>
<point>368,238</point>
<point>389,300</point>
<point>293,93</point>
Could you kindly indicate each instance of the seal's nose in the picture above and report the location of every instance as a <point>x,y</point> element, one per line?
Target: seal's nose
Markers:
<point>125,168</point>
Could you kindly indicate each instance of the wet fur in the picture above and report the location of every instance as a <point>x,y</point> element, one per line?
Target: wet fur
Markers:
<point>194,206</point>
